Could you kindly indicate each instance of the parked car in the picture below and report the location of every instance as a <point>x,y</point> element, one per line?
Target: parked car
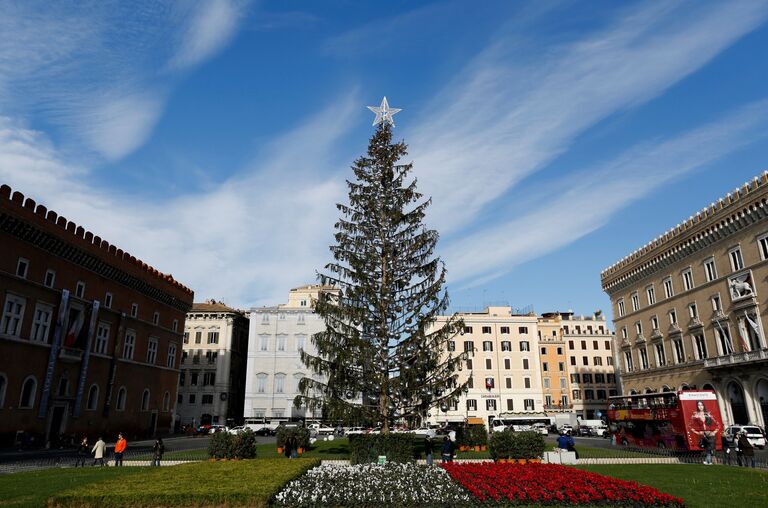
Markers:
<point>212,429</point>
<point>320,429</point>
<point>755,436</point>
<point>424,432</point>
<point>566,427</point>
<point>541,428</point>
<point>204,429</point>
<point>237,430</point>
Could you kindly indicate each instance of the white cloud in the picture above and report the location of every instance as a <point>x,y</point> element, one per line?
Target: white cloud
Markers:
<point>587,200</point>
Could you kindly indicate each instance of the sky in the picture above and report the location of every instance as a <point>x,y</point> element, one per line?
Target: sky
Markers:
<point>213,139</point>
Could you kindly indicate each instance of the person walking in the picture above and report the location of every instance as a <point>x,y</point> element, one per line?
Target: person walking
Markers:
<point>82,452</point>
<point>120,447</point>
<point>446,452</point>
<point>428,450</point>
<point>726,449</point>
<point>158,449</point>
<point>746,449</point>
<point>98,451</point>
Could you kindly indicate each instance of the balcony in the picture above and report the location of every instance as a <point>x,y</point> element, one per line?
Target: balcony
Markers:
<point>68,354</point>
<point>558,407</point>
<point>742,358</point>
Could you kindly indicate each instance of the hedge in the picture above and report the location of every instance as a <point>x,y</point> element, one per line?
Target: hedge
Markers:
<point>224,445</point>
<point>300,433</point>
<point>365,448</point>
<point>509,444</point>
<point>474,435</point>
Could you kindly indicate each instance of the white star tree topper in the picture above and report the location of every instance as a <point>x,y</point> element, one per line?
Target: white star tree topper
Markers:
<point>384,113</point>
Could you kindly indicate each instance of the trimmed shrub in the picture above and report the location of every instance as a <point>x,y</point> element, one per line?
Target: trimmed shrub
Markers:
<point>366,448</point>
<point>500,444</point>
<point>516,445</point>
<point>224,445</point>
<point>244,445</point>
<point>300,433</point>
<point>474,435</point>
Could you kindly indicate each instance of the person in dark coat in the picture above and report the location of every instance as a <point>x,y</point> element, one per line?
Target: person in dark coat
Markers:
<point>572,445</point>
<point>428,450</point>
<point>158,450</point>
<point>746,449</point>
<point>82,452</point>
<point>727,452</point>
<point>446,452</point>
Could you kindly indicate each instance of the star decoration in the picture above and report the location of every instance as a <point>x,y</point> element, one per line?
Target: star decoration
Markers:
<point>384,113</point>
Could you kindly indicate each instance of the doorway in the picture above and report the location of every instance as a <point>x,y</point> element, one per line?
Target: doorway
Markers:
<point>57,425</point>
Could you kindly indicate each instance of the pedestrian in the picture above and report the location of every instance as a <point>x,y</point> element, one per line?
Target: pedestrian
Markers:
<point>120,447</point>
<point>562,441</point>
<point>294,447</point>
<point>287,446</point>
<point>98,451</point>
<point>82,452</point>
<point>158,449</point>
<point>746,449</point>
<point>446,452</point>
<point>572,445</point>
<point>726,449</point>
<point>428,450</point>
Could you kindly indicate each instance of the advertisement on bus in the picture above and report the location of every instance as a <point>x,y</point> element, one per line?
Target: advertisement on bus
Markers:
<point>702,416</point>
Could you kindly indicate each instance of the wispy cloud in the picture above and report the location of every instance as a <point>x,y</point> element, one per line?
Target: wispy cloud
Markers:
<point>507,116</point>
<point>587,200</point>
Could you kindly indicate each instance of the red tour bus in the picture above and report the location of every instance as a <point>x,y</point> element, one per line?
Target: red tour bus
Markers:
<point>678,421</point>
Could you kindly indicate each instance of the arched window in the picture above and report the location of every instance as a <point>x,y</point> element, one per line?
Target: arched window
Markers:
<point>93,398</point>
<point>3,385</point>
<point>121,396</point>
<point>166,401</point>
<point>145,400</point>
<point>28,393</point>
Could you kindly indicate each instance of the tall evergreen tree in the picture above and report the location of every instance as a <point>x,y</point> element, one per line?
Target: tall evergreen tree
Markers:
<point>382,356</point>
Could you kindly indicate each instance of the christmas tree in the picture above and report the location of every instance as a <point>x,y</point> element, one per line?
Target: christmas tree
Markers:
<point>382,357</point>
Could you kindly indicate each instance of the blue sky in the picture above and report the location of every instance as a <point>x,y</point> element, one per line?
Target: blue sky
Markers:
<point>212,139</point>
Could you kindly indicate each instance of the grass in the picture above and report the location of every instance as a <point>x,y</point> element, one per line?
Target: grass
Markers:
<point>231,483</point>
<point>699,485</point>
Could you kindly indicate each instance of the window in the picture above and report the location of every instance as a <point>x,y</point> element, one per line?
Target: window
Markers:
<point>279,383</point>
<point>528,404</point>
<point>527,382</point>
<point>261,383</point>
<point>661,357</point>
<point>654,323</point>
<point>576,394</point>
<point>737,262</point>
<point>510,405</point>
<point>507,363</point>
<point>575,378</point>
<point>264,342</point>
<point>182,377</point>
<point>487,345</point>
<point>193,379</point>
<point>635,302</point>
<point>122,395</point>
<point>559,351</point>
<point>525,364</point>
<point>206,399</point>
<point>570,344</point>
<point>522,329</point>
<point>643,358</point>
<point>155,318</point>
<point>609,360</point>
<point>673,317</point>
<point>179,398</point>
<point>710,270</point>
<point>303,303</point>
<point>265,319</point>
<point>525,345</point>
<point>546,382</point>
<point>583,344</point>
<point>508,382</point>
<point>209,378</point>
<point>595,345</point>
<point>175,325</point>
<point>651,294</point>
<point>687,279</point>
<point>469,364</point>
<point>585,360</point>
<point>145,400</point>
<point>573,360</point>
<point>108,301</point>
<point>488,364</point>
<point>186,338</point>
<point>213,337</point>
<point>716,303</point>
<point>41,323</point>
<point>50,278</point>
<point>467,329</point>
<point>638,328</point>
<point>470,383</point>
<point>13,312</point>
<point>102,339</point>
<point>451,345</point>
<point>762,242</point>
<point>28,393</point>
<point>693,311</point>
<point>545,366</point>
<point>134,310</point>
<point>490,404</point>
<point>80,289</point>
<point>679,352</point>
<point>601,394</point>
<point>506,345</point>
<point>471,405</point>
<point>171,360</point>
<point>629,365</point>
<point>700,346</point>
<point>489,384</point>
<point>486,329</point>
<point>589,395</point>
<point>301,341</point>
<point>598,361</point>
<point>505,329</point>
<point>22,267</point>
<point>620,305</point>
<point>611,378</point>
<point>587,378</point>
<point>93,398</point>
<point>669,292</point>
<point>599,378</point>
<point>184,356</point>
<point>129,344</point>
<point>468,346</point>
<point>724,339</point>
<point>152,350</point>
<point>192,398</point>
<point>608,345</point>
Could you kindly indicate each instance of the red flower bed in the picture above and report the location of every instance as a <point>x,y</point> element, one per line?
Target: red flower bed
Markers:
<point>552,484</point>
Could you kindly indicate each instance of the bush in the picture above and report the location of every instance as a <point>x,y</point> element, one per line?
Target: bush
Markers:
<point>224,445</point>
<point>366,448</point>
<point>300,433</point>
<point>516,445</point>
<point>474,435</point>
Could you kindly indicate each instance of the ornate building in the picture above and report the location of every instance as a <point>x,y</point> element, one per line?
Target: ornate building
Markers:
<point>90,336</point>
<point>212,377</point>
<point>689,306</point>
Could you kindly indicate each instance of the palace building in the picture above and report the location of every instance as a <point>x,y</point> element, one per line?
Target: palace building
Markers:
<point>90,336</point>
<point>689,307</point>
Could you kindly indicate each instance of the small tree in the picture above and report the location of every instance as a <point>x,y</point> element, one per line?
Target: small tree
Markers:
<point>382,356</point>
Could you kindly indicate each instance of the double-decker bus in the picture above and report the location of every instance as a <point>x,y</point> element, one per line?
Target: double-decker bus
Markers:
<point>680,421</point>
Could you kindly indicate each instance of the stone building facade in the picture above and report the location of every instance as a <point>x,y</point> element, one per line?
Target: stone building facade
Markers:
<point>212,377</point>
<point>90,336</point>
<point>689,307</point>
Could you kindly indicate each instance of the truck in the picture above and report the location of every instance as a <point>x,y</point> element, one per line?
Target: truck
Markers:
<point>592,428</point>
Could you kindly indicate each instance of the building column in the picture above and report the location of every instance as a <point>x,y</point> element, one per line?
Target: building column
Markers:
<point>754,414</point>
<point>724,403</point>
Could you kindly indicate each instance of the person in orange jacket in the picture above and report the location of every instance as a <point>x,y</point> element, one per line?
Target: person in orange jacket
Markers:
<point>120,449</point>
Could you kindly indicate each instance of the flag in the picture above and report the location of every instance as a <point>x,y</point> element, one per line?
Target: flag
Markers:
<point>726,339</point>
<point>754,326</point>
<point>743,336</point>
<point>76,326</point>
<point>489,382</point>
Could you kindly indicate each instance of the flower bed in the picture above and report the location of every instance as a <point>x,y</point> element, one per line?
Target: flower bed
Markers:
<point>362,485</point>
<point>552,484</point>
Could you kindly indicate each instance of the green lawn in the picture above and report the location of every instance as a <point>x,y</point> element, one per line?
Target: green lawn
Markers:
<point>699,485</point>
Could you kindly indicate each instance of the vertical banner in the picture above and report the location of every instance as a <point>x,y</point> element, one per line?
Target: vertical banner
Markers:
<point>86,357</point>
<point>55,345</point>
<point>113,366</point>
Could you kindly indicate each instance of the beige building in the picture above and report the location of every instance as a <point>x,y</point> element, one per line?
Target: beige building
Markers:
<point>504,367</point>
<point>687,306</point>
<point>212,376</point>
